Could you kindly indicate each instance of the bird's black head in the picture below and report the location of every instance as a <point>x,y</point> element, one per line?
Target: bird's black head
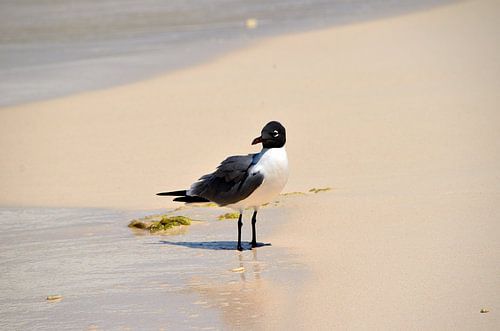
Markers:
<point>273,135</point>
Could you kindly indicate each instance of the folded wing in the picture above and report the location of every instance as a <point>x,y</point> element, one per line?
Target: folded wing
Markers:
<point>233,181</point>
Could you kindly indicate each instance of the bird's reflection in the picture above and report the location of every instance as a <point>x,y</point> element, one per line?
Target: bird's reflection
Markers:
<point>241,298</point>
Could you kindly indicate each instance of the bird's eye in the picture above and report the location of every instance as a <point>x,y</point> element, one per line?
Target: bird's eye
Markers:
<point>275,133</point>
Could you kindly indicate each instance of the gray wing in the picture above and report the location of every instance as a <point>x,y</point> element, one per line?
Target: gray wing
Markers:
<point>233,181</point>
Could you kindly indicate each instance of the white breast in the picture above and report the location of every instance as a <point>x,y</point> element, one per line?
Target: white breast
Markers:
<point>274,166</point>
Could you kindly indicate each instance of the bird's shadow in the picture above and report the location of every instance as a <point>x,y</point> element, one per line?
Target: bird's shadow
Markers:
<point>212,245</point>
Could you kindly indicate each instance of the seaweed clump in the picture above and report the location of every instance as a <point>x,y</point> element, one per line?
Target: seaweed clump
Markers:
<point>228,216</point>
<point>169,222</point>
<point>160,223</point>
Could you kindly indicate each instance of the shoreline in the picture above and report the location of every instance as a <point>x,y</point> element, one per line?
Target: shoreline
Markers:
<point>87,74</point>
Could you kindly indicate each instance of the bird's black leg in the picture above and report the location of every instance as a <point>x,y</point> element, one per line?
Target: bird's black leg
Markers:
<point>254,237</point>
<point>240,224</point>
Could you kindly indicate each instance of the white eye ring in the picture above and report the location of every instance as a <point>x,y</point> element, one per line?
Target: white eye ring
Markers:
<point>275,133</point>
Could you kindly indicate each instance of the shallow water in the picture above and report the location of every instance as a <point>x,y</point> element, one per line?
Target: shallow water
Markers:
<point>112,277</point>
<point>54,48</point>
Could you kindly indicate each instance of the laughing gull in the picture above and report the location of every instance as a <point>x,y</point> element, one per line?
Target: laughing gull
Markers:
<point>244,181</point>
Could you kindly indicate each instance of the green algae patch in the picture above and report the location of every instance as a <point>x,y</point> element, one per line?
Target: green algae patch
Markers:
<point>228,216</point>
<point>160,223</point>
<point>274,203</point>
<point>169,222</point>
<point>317,190</point>
<point>210,205</point>
<point>202,205</point>
<point>292,193</point>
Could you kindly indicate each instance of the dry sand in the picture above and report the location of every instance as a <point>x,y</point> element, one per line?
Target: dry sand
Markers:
<point>400,116</point>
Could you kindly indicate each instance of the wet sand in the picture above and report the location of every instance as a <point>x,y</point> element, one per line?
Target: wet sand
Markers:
<point>112,277</point>
<point>399,116</point>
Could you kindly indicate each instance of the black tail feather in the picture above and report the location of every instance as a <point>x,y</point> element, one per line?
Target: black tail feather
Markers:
<point>183,197</point>
<point>190,199</point>
<point>180,193</point>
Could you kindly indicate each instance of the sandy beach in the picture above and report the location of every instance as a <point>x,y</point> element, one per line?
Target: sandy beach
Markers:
<point>398,116</point>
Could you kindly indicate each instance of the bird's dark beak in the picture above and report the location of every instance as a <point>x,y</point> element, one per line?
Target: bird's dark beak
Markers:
<point>257,140</point>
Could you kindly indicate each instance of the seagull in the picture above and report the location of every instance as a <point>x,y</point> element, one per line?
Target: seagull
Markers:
<point>244,181</point>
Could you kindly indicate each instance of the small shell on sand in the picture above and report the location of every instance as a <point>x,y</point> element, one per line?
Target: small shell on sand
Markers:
<point>54,298</point>
<point>240,269</point>
<point>251,23</point>
<point>484,311</point>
